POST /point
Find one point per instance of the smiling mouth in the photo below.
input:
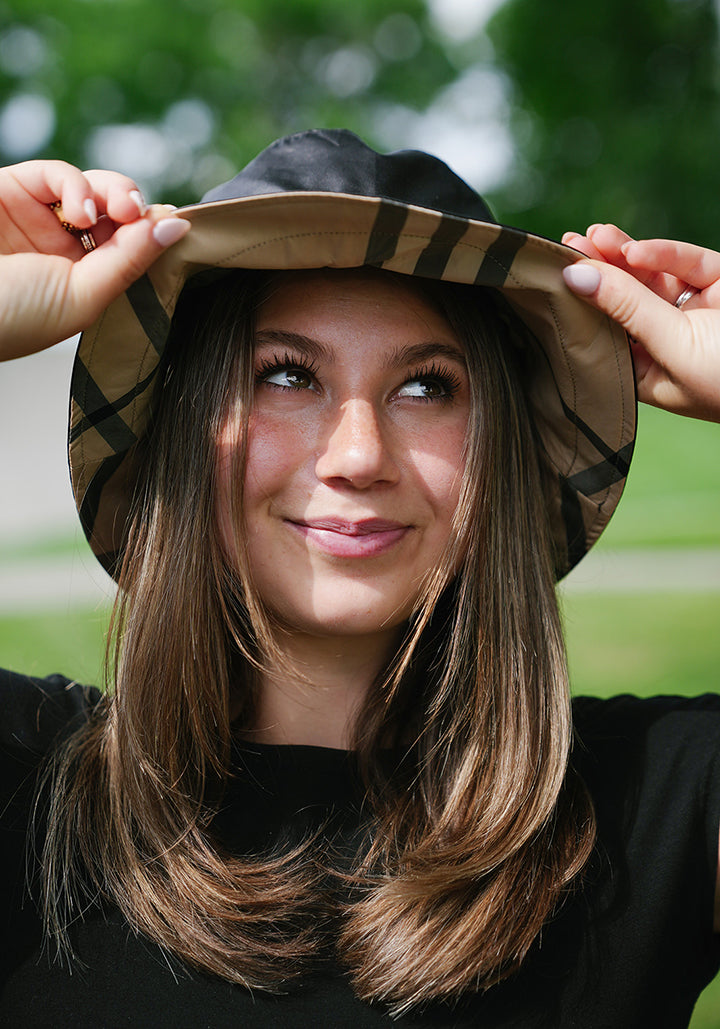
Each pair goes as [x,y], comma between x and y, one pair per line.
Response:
[340,538]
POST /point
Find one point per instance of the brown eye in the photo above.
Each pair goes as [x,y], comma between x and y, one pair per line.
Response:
[289,378]
[425,389]
[432,382]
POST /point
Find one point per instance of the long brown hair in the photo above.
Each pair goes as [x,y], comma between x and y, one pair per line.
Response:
[474,838]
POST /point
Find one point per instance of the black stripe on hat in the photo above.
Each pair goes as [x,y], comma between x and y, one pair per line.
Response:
[88,509]
[602,475]
[574,526]
[499,258]
[434,258]
[100,413]
[149,312]
[389,223]
[620,459]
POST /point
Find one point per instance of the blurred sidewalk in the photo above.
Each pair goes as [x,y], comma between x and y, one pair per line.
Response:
[690,570]
[53,583]
[34,481]
[37,502]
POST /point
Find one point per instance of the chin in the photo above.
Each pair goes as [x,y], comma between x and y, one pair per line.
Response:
[347,622]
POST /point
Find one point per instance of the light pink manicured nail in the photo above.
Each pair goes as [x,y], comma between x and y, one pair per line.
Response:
[582,279]
[170,230]
[139,200]
[90,210]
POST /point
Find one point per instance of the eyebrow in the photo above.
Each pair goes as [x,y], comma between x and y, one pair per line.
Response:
[307,346]
[415,353]
[397,357]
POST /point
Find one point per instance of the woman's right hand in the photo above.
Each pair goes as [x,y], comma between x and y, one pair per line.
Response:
[49,287]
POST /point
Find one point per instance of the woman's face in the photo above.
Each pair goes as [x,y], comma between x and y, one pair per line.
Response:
[355,451]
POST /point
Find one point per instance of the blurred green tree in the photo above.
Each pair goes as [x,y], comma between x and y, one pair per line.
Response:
[183,92]
[605,113]
[616,115]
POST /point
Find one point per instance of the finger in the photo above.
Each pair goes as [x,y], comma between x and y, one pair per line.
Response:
[695,265]
[106,226]
[27,224]
[117,196]
[613,244]
[84,195]
[645,316]
[57,181]
[609,240]
[583,244]
[106,272]
[47,180]
[28,190]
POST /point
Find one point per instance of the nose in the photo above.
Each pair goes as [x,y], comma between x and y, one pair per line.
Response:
[356,449]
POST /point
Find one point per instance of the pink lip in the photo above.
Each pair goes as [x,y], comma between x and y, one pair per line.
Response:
[340,538]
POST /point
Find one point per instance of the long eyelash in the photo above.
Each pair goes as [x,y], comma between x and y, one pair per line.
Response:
[275,362]
[443,374]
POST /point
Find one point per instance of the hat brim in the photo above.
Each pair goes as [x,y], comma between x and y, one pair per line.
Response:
[583,395]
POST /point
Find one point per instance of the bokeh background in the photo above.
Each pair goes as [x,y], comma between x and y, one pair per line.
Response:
[562,114]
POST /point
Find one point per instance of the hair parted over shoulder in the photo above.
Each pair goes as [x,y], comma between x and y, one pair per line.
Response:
[473,839]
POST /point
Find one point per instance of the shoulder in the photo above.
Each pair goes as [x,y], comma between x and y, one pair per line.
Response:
[658,722]
[680,735]
[36,711]
[35,716]
[653,769]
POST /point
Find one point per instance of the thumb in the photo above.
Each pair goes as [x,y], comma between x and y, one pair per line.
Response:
[678,360]
[102,275]
[646,317]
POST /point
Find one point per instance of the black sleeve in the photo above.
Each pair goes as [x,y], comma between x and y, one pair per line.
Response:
[653,769]
[36,713]
[669,747]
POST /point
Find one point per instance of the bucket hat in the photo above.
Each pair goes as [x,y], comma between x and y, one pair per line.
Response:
[323,198]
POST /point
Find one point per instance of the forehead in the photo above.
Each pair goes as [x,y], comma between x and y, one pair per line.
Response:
[359,298]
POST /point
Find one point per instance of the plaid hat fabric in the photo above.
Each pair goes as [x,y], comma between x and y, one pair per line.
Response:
[325,199]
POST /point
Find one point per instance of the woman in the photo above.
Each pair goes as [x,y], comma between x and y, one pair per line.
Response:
[333,780]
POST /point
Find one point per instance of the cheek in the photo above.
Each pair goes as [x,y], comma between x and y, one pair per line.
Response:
[262,466]
[275,451]
[275,456]
[440,469]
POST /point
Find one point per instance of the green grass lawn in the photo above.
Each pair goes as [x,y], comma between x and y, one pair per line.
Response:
[70,642]
[643,643]
[672,497]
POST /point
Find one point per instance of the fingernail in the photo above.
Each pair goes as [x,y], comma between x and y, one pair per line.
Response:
[139,200]
[583,279]
[170,230]
[591,228]
[90,210]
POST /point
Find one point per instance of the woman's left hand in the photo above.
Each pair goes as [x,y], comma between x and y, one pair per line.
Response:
[638,283]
